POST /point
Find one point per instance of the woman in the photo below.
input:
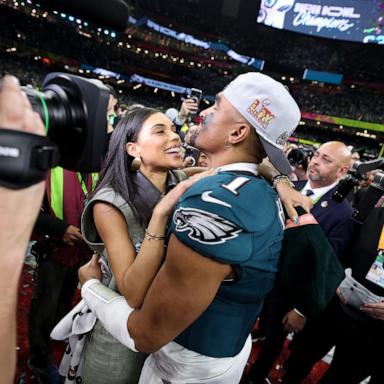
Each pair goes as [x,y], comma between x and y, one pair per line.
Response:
[125,224]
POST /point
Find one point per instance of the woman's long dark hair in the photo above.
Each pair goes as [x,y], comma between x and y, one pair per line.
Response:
[117,172]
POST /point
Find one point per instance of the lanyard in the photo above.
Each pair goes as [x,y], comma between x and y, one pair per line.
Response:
[57,189]
[95,178]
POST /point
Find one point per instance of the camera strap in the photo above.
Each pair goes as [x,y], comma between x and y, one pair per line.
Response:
[25,158]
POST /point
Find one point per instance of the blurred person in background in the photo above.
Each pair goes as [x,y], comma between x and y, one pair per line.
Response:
[181,117]
[60,250]
[299,158]
[112,108]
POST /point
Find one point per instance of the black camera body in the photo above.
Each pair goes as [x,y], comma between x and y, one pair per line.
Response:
[374,191]
[74,111]
[300,157]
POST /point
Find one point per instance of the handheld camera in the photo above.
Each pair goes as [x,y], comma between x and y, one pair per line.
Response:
[74,111]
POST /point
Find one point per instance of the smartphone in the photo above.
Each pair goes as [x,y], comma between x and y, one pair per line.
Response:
[192,154]
[196,94]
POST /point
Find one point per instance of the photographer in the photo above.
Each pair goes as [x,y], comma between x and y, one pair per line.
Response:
[18,212]
[189,107]
[74,113]
[299,158]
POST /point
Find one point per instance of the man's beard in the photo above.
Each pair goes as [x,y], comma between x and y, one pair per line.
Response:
[315,176]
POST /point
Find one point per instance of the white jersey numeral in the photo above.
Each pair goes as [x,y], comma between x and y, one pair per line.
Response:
[236,184]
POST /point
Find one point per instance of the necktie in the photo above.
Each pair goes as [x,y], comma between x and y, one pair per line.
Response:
[309,192]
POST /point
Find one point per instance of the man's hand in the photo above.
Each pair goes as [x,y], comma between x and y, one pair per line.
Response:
[375,310]
[15,109]
[18,208]
[293,322]
[188,107]
[18,212]
[91,270]
[72,235]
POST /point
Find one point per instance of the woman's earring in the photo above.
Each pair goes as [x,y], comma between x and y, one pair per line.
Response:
[136,163]
[227,144]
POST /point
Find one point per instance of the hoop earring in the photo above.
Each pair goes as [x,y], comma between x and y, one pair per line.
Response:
[227,144]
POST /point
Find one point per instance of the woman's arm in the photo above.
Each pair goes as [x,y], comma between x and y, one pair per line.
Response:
[288,195]
[134,273]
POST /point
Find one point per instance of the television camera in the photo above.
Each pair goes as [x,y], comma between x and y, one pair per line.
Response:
[74,111]
[374,191]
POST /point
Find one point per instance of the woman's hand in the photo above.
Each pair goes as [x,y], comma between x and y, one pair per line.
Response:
[167,203]
[91,270]
[291,199]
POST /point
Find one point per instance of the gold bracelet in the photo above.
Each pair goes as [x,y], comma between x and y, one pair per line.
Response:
[148,236]
[281,179]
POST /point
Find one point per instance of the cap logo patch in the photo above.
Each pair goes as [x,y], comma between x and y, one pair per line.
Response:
[260,112]
[283,138]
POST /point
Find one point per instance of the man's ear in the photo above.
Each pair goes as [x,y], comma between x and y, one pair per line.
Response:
[343,170]
[239,134]
[132,149]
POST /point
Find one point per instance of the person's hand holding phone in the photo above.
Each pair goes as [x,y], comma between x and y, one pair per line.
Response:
[188,107]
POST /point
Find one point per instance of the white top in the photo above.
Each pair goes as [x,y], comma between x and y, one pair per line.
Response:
[249,167]
[317,192]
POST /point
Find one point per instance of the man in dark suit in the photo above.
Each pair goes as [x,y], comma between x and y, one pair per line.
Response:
[328,165]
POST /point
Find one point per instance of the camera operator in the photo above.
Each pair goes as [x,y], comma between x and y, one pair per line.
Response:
[59,254]
[299,158]
[18,212]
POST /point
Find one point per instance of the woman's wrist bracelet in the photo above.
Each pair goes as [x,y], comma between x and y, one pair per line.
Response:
[281,179]
[149,236]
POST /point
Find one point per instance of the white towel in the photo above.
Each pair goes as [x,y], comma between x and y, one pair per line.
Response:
[73,327]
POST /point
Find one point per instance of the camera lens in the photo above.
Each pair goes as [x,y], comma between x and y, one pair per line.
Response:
[64,116]
[296,156]
[74,112]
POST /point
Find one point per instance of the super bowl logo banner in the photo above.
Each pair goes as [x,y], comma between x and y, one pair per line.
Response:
[337,19]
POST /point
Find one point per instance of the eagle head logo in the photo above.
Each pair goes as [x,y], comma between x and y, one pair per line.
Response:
[204,227]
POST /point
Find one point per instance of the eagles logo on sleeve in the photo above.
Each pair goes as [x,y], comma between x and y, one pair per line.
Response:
[204,227]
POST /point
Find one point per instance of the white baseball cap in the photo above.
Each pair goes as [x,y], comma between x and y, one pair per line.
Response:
[268,106]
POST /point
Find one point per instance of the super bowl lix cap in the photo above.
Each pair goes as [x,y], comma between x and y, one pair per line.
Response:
[268,106]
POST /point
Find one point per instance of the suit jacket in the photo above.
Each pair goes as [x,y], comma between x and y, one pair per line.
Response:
[335,219]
